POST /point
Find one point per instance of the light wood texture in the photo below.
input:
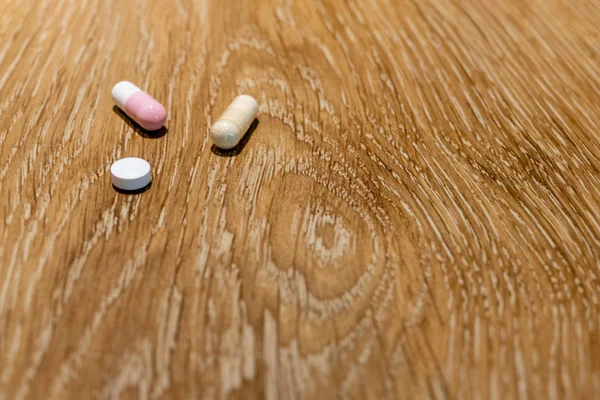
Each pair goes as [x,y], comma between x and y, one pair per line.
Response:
[416,214]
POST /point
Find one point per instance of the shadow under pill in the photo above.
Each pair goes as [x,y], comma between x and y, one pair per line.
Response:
[138,191]
[240,146]
[138,129]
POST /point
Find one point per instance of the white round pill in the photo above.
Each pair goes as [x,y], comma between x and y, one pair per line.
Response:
[130,173]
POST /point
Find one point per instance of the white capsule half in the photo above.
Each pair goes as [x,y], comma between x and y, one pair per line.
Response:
[233,124]
[122,91]
[130,173]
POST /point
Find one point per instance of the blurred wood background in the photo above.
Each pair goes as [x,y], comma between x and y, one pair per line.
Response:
[416,214]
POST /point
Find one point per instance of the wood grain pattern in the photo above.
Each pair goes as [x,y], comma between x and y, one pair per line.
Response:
[416,214]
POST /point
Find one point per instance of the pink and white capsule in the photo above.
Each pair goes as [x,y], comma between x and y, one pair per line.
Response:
[139,106]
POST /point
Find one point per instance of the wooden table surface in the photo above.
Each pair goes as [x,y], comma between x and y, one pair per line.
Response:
[416,214]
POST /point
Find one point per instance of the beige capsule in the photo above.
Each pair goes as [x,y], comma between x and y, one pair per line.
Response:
[233,124]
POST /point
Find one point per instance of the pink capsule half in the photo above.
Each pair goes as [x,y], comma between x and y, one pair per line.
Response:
[139,106]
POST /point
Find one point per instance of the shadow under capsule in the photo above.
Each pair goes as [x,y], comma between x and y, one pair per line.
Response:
[240,146]
[138,129]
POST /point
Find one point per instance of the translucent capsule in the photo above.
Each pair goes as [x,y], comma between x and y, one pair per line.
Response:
[139,106]
[231,126]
